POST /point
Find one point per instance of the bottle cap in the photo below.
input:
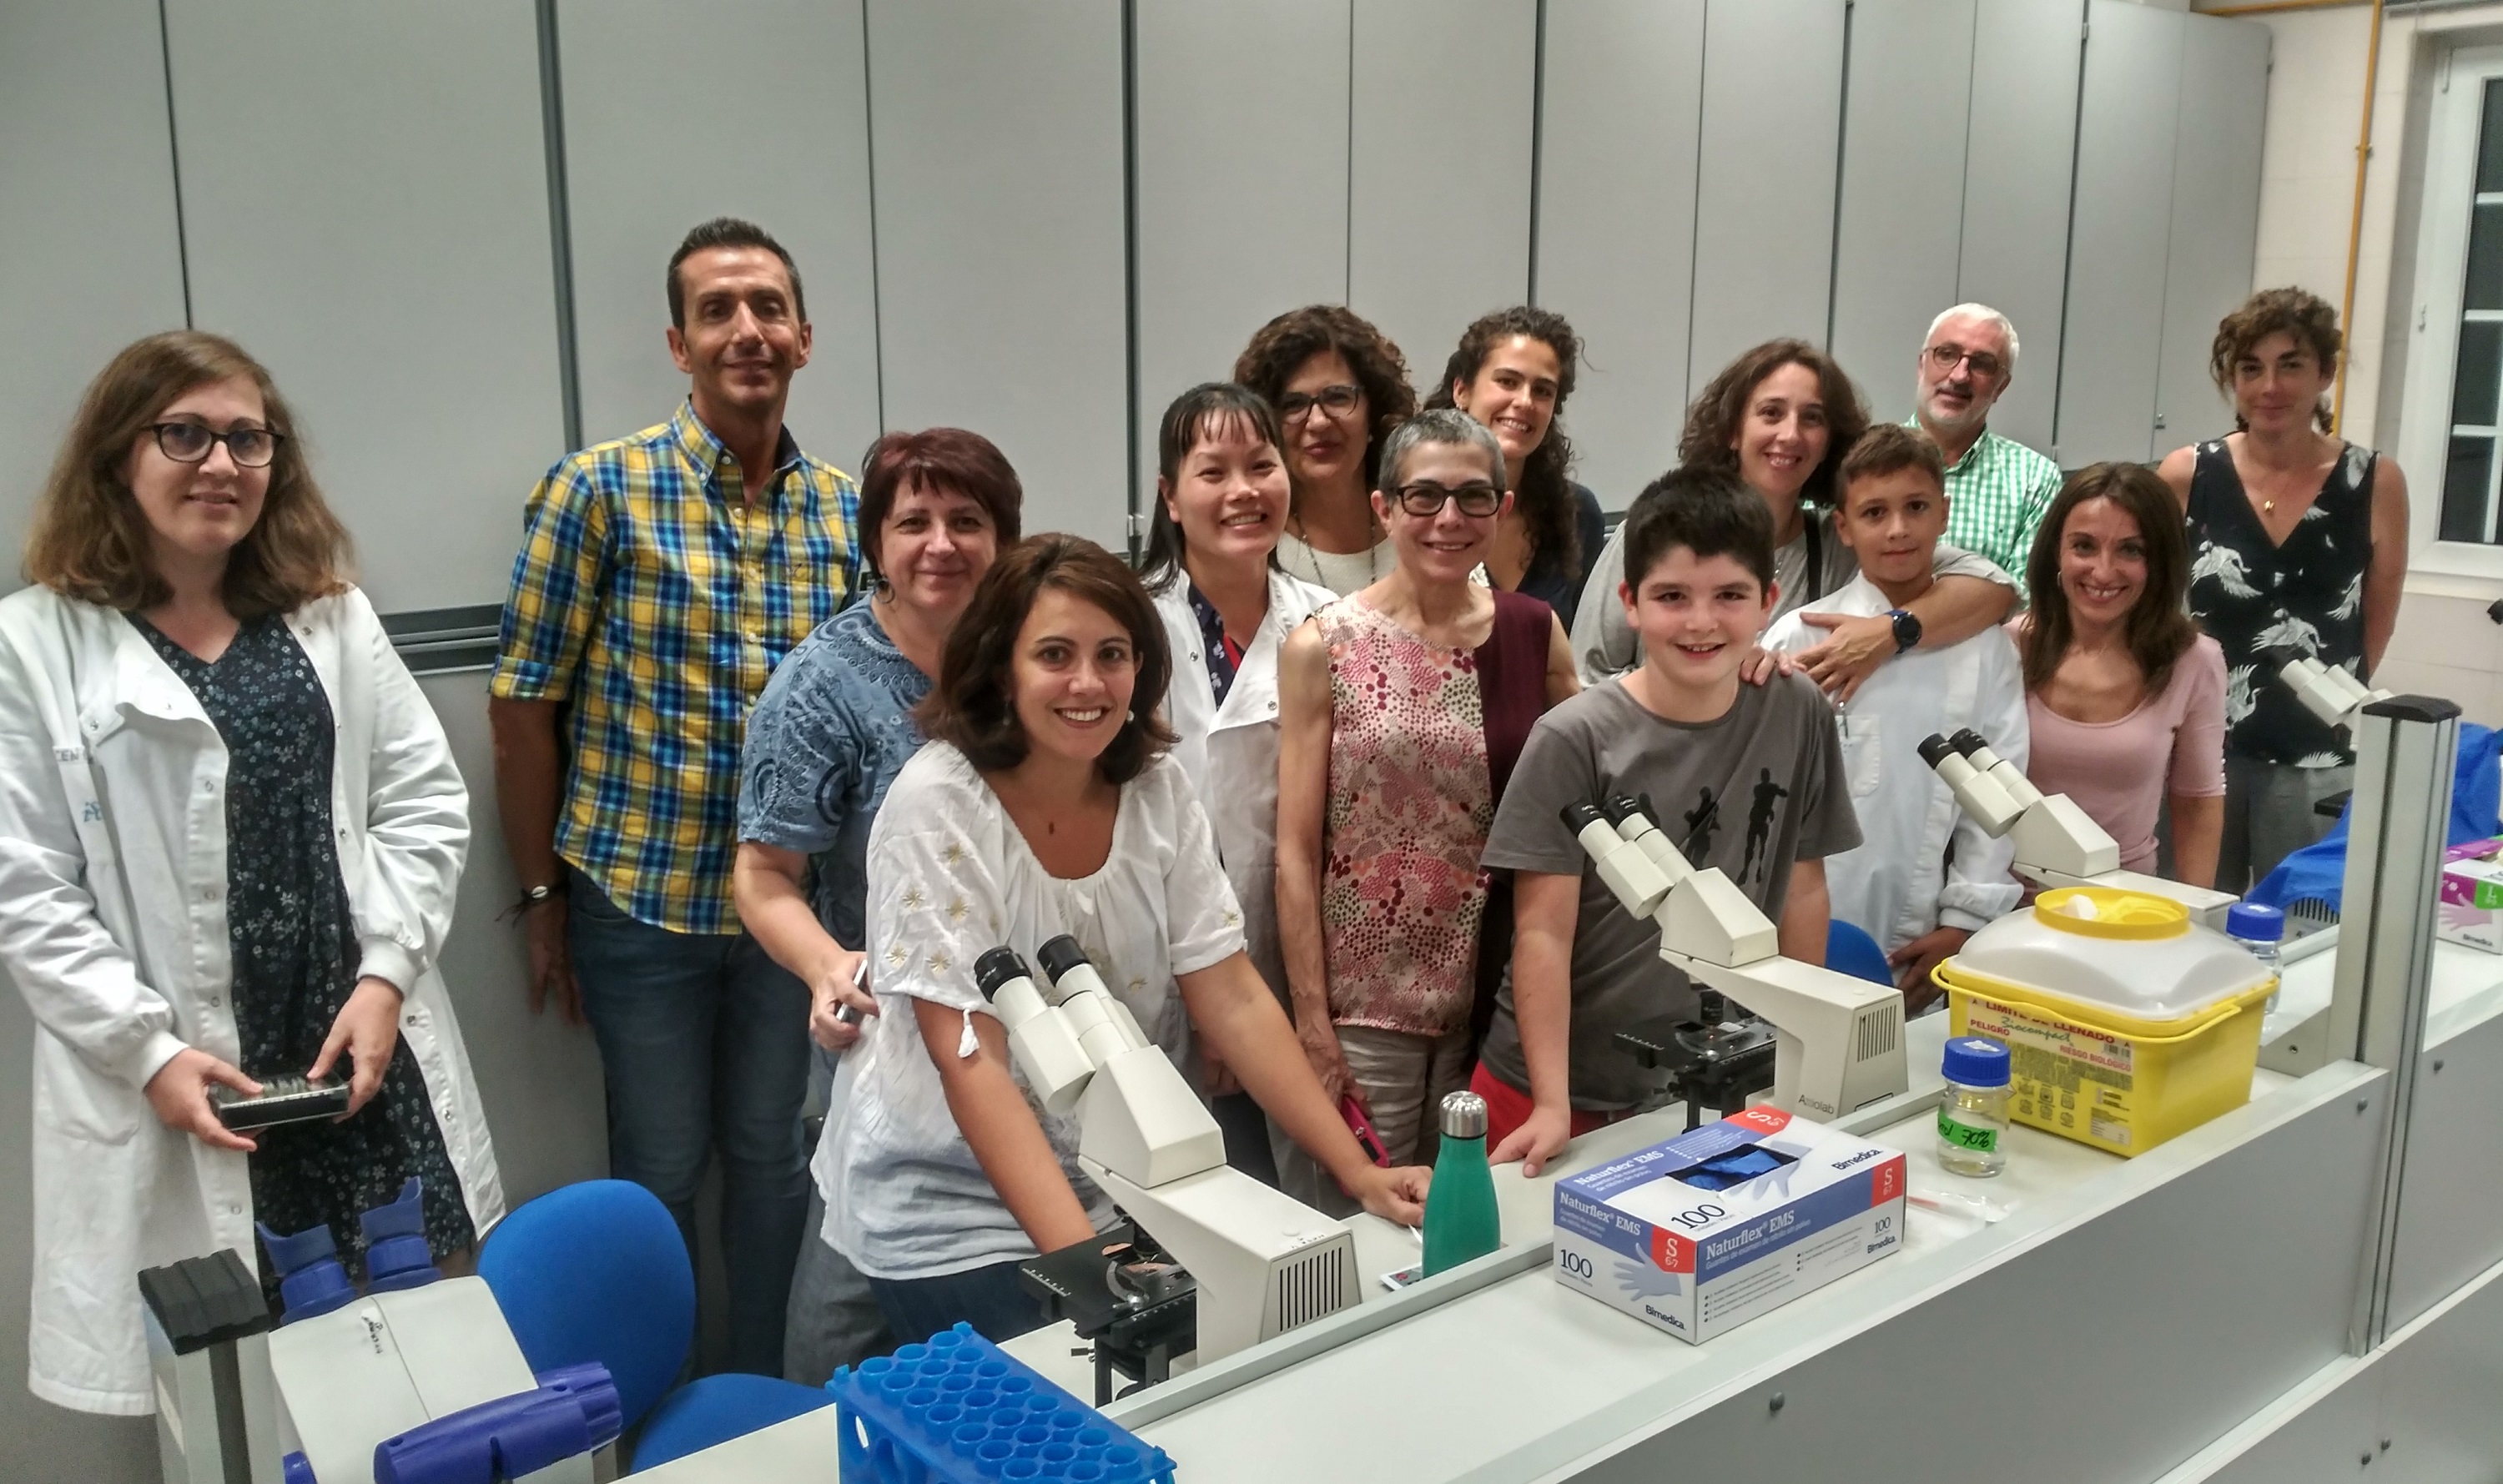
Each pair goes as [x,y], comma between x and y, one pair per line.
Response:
[1464,1116]
[1976,1061]
[2250,919]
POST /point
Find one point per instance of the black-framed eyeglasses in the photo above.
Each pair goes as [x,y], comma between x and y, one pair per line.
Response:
[1983,363]
[1338,401]
[251,448]
[1426,501]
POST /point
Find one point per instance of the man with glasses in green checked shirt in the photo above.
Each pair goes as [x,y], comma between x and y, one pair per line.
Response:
[1997,487]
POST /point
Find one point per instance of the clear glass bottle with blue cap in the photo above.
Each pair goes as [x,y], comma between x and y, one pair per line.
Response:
[1973,1122]
[2260,930]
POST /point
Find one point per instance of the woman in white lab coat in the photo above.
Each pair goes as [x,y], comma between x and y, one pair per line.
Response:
[1221,499]
[187,902]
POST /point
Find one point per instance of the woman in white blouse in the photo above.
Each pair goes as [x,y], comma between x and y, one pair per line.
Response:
[1043,804]
[1222,496]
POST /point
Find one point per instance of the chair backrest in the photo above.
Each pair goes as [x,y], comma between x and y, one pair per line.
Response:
[1849,950]
[596,1271]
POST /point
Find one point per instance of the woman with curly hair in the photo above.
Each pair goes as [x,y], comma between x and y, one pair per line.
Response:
[1781,417]
[1512,371]
[1340,387]
[2298,538]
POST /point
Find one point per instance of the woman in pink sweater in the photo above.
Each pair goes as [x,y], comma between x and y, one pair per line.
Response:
[2125,696]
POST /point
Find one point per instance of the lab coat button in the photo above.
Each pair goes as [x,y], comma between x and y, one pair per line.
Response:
[235,1210]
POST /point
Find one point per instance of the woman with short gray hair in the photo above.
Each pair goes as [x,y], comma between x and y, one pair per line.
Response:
[1403,707]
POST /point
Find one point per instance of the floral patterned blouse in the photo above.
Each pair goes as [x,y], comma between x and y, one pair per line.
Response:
[1411,800]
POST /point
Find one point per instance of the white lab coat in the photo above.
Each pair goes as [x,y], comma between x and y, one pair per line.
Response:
[112,868]
[1898,885]
[1229,752]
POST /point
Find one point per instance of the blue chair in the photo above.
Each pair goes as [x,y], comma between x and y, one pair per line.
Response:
[1848,950]
[596,1271]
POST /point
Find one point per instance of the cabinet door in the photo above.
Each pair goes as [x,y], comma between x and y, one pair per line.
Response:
[86,220]
[793,157]
[2019,151]
[996,151]
[1438,189]
[1615,223]
[2216,219]
[2119,233]
[365,208]
[1904,161]
[1240,147]
[1764,200]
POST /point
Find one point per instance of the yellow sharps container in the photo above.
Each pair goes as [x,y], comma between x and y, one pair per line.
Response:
[2125,1023]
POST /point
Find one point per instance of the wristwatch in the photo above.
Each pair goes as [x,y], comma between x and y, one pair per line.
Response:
[1908,628]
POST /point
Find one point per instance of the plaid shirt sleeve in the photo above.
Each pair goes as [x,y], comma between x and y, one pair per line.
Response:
[558,581]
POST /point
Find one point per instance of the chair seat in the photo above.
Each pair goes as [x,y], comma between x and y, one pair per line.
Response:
[714,1409]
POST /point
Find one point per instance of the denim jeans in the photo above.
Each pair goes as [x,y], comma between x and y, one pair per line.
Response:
[989,1298]
[705,1044]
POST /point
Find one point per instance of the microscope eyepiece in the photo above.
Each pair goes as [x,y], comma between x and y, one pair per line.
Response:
[1579,816]
[998,967]
[1622,807]
[1060,956]
[1936,750]
[1968,741]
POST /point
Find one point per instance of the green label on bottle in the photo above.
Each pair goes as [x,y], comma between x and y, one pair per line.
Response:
[1966,1135]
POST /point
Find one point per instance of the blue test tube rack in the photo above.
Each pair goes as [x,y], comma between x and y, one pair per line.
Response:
[957,1410]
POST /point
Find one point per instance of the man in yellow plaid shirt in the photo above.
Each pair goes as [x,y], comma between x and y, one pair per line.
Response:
[660,579]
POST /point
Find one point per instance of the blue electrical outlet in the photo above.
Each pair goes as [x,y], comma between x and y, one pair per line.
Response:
[958,1411]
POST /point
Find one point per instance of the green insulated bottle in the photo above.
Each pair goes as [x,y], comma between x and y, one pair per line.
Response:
[1460,1221]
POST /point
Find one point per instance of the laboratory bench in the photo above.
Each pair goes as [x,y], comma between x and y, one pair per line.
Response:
[2168,1317]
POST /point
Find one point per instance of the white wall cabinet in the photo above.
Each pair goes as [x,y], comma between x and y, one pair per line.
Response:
[1002,306]
[791,153]
[1615,223]
[365,207]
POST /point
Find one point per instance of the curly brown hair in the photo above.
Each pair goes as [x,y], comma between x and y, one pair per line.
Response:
[1712,421]
[1285,343]
[91,541]
[2307,316]
[1541,491]
[973,707]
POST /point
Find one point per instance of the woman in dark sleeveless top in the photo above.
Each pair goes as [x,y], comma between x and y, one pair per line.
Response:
[2298,542]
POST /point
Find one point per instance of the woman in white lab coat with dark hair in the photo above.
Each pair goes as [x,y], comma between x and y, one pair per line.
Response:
[1221,500]
[230,836]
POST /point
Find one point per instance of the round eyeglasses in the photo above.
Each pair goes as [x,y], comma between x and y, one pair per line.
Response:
[1984,364]
[251,448]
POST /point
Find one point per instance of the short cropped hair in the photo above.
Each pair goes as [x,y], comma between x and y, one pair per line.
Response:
[946,459]
[2007,327]
[973,707]
[1889,447]
[1706,510]
[91,541]
[1209,409]
[1445,427]
[2307,316]
[729,232]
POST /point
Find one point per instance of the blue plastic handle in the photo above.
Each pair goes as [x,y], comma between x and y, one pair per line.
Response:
[573,1411]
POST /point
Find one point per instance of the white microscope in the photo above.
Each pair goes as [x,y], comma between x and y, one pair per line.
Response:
[2326,690]
[1838,1041]
[2058,844]
[1263,1261]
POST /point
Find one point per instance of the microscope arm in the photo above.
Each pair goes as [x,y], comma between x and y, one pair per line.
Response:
[1838,1040]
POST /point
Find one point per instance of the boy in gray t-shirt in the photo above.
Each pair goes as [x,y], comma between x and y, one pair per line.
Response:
[1746,777]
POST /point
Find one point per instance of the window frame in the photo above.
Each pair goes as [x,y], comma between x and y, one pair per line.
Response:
[2458,568]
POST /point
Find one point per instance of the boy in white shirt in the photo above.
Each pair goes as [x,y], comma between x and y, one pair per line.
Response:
[1925,876]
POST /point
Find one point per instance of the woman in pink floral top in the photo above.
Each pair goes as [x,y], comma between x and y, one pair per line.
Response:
[1403,707]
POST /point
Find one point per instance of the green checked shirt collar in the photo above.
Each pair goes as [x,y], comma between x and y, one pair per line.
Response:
[1996,497]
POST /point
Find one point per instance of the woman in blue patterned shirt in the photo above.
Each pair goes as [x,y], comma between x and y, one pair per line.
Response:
[832,728]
